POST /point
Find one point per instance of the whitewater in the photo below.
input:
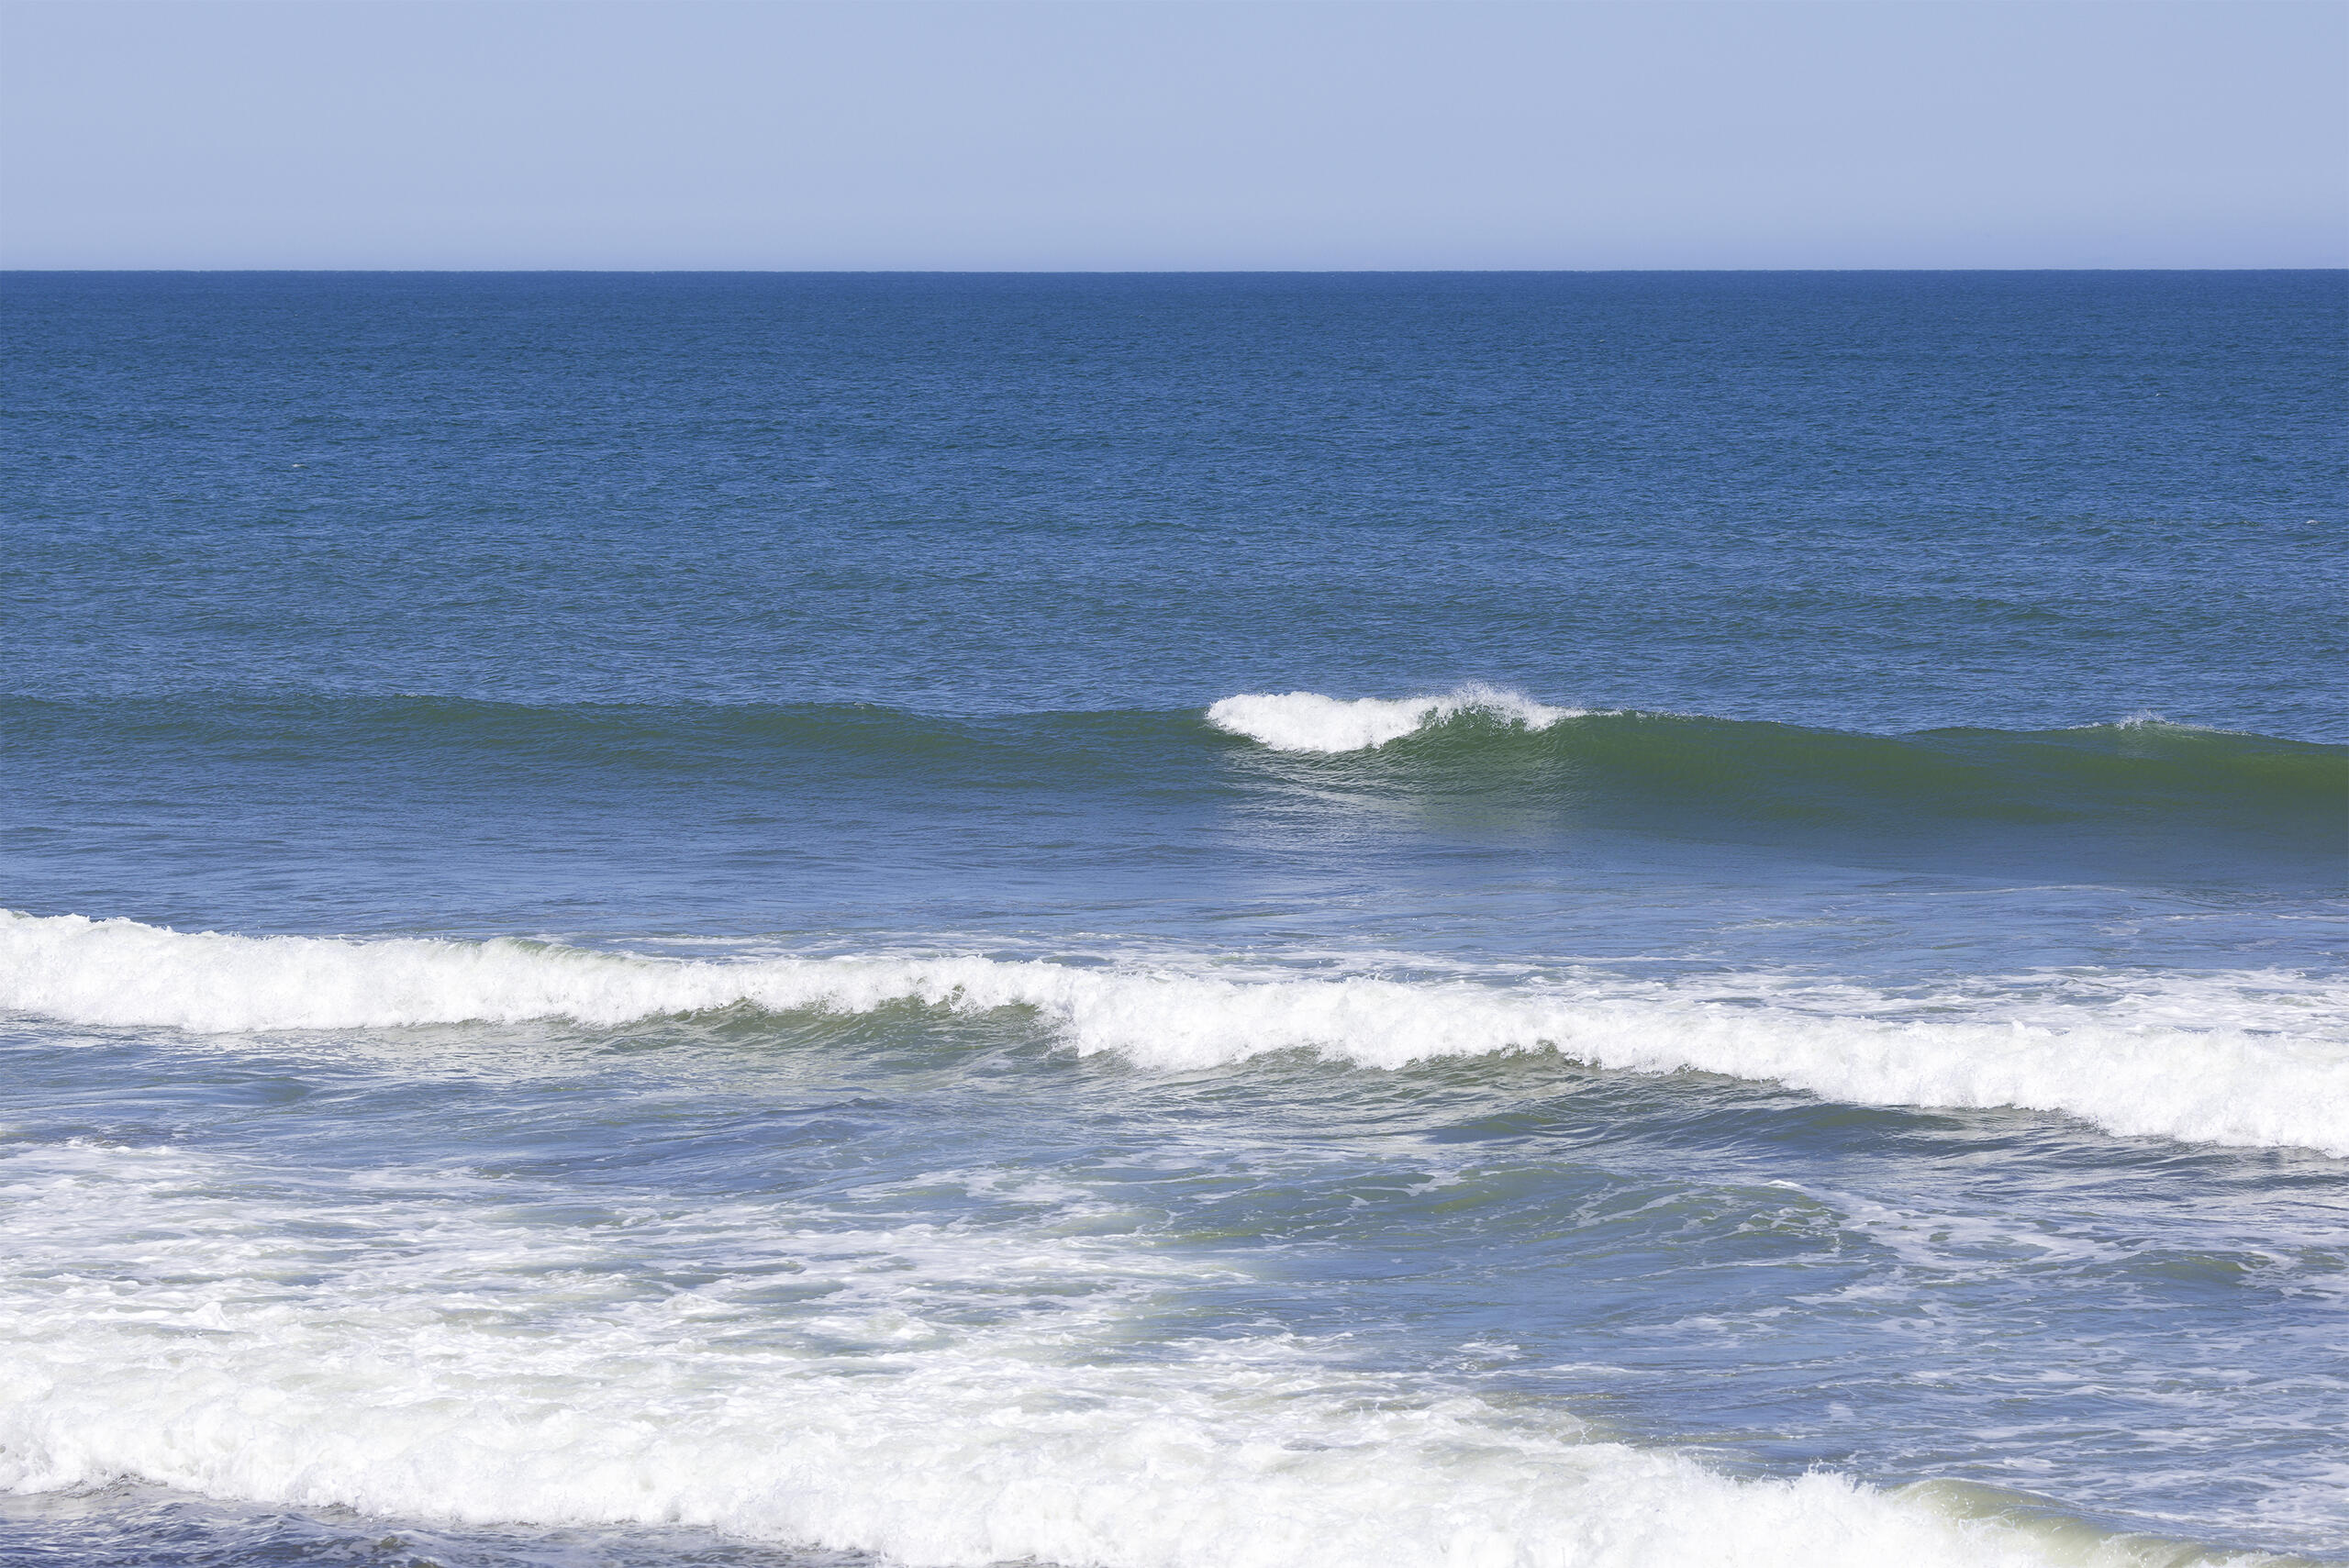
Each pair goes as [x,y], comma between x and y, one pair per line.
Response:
[1308,721]
[2280,1079]
[438,1362]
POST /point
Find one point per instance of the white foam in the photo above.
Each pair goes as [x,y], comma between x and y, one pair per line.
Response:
[1308,722]
[2252,1060]
[433,1351]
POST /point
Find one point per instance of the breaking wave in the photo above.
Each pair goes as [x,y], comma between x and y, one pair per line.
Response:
[2231,804]
[2250,1060]
[1308,722]
[2142,797]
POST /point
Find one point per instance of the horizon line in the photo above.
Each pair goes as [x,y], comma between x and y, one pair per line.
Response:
[1106,272]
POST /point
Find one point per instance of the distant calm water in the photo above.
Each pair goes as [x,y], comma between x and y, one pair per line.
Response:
[1173,922]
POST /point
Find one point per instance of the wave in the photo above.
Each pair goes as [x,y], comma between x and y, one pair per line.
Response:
[2141,789]
[887,1404]
[1308,722]
[2251,1073]
[2142,760]
[2140,797]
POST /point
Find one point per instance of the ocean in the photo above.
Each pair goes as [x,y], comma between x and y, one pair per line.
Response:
[1188,921]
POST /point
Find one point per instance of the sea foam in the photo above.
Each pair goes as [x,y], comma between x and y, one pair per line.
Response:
[322,1342]
[2219,1065]
[1308,722]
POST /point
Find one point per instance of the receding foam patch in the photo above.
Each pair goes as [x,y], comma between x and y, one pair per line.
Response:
[2253,1059]
[438,1359]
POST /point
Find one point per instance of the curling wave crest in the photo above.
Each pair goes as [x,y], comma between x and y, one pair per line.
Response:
[1308,722]
[2250,1060]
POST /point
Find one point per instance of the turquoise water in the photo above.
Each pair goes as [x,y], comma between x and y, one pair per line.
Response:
[1480,920]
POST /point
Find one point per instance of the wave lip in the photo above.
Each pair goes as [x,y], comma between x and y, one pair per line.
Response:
[1308,722]
[2277,1078]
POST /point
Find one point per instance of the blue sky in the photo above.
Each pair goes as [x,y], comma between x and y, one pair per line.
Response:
[1099,134]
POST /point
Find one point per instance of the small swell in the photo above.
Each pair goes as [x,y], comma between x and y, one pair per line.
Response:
[2235,804]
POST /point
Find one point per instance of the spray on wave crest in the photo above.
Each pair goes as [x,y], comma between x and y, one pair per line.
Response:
[1308,722]
[2273,1076]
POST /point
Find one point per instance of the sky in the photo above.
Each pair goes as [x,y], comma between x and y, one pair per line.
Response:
[1115,135]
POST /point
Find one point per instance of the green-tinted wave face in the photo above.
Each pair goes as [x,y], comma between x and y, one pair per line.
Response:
[1665,767]
[1138,793]
[2138,800]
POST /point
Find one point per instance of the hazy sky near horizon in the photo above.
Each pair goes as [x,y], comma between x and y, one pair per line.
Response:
[1092,134]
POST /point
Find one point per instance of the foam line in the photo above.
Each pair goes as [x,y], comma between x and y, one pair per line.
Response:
[2271,1076]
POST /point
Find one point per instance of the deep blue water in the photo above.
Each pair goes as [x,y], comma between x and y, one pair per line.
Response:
[1471,919]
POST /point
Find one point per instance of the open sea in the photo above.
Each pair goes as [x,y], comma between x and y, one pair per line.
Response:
[1192,921]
